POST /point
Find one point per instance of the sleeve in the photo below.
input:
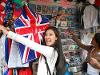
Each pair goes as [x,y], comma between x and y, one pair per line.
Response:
[52,61]
[45,50]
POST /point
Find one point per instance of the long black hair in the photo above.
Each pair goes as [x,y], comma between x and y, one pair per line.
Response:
[60,64]
[97,38]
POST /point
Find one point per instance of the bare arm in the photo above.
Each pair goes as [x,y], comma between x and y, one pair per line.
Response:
[78,41]
[95,63]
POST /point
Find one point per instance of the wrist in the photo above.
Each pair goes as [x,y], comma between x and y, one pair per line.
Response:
[98,64]
[5,31]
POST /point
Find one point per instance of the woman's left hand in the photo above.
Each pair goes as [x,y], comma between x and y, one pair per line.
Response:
[4,29]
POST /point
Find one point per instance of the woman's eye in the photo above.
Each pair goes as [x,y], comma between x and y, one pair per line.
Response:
[50,34]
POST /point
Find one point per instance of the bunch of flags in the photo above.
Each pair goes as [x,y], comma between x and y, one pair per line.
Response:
[7,71]
[30,25]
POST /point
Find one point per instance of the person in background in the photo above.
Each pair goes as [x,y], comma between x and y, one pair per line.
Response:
[93,58]
[52,61]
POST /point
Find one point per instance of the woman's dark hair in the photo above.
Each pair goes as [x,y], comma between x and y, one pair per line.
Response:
[60,64]
[97,38]
[1,34]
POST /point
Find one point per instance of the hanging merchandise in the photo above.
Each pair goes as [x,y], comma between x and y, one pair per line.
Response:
[17,7]
[65,3]
[9,12]
[10,45]
[44,2]
[24,71]
[2,10]
[24,25]
[5,71]
[19,3]
[97,3]
[2,55]
[90,17]
[16,11]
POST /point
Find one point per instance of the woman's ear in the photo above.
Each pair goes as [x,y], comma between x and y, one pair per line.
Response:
[56,38]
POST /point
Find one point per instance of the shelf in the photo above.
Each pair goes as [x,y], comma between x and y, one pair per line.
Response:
[75,69]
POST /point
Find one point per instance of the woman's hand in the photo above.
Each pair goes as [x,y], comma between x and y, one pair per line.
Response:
[95,63]
[4,29]
[70,32]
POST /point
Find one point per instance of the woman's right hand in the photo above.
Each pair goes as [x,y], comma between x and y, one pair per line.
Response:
[4,29]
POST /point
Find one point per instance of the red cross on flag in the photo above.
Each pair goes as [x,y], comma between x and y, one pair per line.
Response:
[30,25]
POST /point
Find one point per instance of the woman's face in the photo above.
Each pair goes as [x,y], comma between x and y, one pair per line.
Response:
[50,37]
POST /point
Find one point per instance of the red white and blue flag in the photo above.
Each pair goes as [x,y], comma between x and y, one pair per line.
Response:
[30,25]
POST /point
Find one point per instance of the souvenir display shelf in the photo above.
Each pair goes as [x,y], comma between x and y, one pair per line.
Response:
[71,50]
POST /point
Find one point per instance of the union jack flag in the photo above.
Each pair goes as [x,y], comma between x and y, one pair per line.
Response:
[30,25]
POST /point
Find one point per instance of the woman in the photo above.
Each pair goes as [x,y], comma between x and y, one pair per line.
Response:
[93,58]
[52,61]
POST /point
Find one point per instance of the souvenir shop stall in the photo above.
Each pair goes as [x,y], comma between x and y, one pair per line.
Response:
[81,16]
